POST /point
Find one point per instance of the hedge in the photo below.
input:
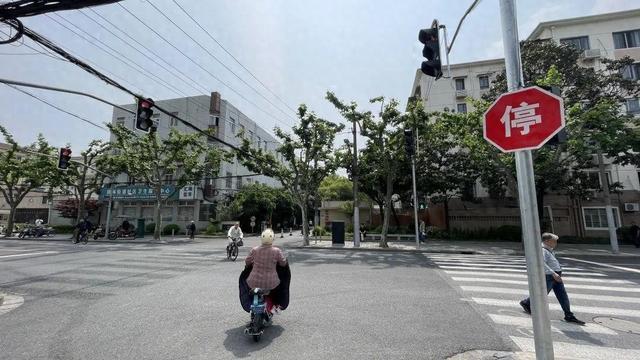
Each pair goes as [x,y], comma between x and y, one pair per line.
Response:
[171,228]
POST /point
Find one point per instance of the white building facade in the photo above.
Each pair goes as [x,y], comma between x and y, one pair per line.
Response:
[613,36]
[197,201]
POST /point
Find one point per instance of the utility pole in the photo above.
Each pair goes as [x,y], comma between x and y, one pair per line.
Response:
[613,237]
[356,205]
[527,195]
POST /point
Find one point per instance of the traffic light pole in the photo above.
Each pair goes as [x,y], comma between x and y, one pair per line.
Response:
[415,200]
[356,205]
[527,196]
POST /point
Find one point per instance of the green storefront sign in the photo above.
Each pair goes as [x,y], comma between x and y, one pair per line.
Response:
[137,192]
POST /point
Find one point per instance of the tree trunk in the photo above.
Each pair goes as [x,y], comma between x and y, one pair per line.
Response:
[11,220]
[387,212]
[446,214]
[305,224]
[81,207]
[156,213]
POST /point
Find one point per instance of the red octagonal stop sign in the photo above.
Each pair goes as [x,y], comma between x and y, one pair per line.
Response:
[524,119]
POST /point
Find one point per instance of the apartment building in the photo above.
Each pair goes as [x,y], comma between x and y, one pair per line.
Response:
[611,35]
[197,201]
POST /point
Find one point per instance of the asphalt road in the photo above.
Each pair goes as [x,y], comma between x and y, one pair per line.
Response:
[180,301]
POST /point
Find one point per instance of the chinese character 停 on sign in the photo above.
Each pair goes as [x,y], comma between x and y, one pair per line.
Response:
[523,117]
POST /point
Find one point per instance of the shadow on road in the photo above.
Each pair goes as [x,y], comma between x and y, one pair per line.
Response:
[377,260]
[242,345]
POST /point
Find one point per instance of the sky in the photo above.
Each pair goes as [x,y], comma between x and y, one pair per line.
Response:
[358,49]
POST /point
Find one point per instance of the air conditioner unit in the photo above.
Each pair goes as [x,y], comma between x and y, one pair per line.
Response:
[631,207]
[461,93]
[591,54]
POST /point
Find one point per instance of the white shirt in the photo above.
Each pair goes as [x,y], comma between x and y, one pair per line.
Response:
[551,264]
[39,222]
[235,233]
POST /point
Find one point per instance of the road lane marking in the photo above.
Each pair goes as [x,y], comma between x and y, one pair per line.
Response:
[556,325]
[29,254]
[580,351]
[605,265]
[494,265]
[568,286]
[572,273]
[603,311]
[524,276]
[525,292]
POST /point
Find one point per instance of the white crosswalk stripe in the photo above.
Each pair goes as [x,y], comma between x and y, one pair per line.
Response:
[496,284]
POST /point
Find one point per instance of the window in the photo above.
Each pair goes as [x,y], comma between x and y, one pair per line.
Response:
[633,106]
[229,180]
[626,39]
[462,108]
[120,121]
[594,180]
[460,84]
[242,130]
[579,42]
[484,81]
[238,182]
[259,142]
[632,72]
[250,135]
[595,218]
[45,199]
[233,125]
[132,180]
[155,116]
[168,178]
[173,121]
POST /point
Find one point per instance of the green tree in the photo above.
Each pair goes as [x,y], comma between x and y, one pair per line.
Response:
[443,170]
[150,158]
[308,158]
[23,169]
[381,162]
[589,94]
[336,188]
[82,179]
[263,202]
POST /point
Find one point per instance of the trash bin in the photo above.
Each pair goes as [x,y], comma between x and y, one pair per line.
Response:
[140,229]
[337,232]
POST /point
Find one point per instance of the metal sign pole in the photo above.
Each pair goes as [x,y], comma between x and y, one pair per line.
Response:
[527,196]
[415,200]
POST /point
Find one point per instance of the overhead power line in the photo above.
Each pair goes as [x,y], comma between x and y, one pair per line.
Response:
[57,107]
[259,108]
[218,60]
[233,57]
[22,8]
[50,45]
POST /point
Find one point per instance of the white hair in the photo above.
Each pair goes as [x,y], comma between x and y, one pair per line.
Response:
[267,237]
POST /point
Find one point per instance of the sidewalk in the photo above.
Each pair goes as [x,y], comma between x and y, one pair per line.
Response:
[128,240]
[475,247]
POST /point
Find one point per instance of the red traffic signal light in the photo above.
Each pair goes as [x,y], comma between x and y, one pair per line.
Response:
[64,158]
[143,115]
[431,51]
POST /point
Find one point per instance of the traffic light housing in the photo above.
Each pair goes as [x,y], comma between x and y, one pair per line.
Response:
[431,51]
[143,115]
[409,144]
[64,158]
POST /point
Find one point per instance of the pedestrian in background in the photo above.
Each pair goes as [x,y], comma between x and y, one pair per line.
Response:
[423,231]
[635,234]
[191,229]
[553,275]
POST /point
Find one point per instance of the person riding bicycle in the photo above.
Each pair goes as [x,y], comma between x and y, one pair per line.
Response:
[235,234]
[264,259]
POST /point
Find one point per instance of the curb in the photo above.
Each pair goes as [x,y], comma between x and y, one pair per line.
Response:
[426,251]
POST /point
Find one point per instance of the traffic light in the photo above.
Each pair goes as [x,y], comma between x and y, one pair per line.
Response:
[143,115]
[408,142]
[431,51]
[64,158]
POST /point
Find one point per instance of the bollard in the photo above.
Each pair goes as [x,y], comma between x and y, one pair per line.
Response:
[173,233]
[290,231]
[281,232]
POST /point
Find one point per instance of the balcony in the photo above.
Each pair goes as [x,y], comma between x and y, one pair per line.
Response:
[590,54]
[461,93]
